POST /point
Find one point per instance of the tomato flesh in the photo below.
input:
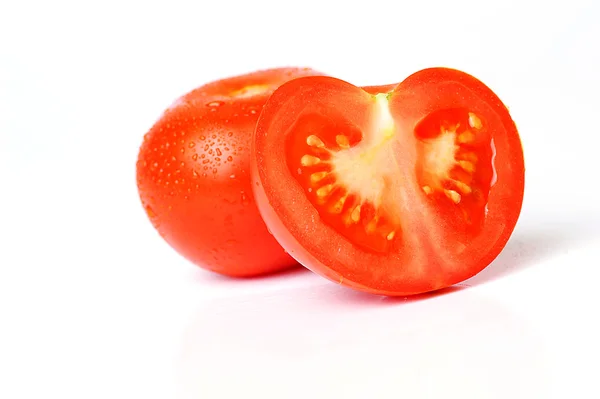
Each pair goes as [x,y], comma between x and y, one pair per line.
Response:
[401,190]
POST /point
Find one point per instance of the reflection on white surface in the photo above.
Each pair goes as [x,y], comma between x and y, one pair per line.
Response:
[331,342]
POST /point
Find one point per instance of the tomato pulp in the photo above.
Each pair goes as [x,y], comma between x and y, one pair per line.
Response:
[398,191]
[193,175]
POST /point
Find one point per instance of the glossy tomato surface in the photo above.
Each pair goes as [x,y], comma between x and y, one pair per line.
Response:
[400,192]
[193,175]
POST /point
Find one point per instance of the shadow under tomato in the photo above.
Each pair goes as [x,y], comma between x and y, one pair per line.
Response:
[325,338]
[534,242]
[215,278]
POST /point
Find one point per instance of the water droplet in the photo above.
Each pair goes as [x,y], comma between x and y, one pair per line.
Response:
[182,133]
[205,168]
[230,134]
[214,136]
[194,173]
[214,170]
[203,156]
[214,104]
[310,190]
[219,153]
[206,147]
[217,159]
[253,111]
[155,164]
[230,158]
[182,150]
[191,144]
[173,158]
[244,198]
[150,212]
[232,176]
[182,164]
[206,161]
[176,181]
[182,141]
[195,157]
[187,197]
[204,175]
[160,170]
[226,148]
[210,152]
[202,138]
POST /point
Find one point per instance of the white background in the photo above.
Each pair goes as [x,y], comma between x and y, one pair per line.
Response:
[93,304]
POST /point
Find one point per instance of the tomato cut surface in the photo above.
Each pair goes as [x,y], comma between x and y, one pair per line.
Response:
[193,175]
[394,190]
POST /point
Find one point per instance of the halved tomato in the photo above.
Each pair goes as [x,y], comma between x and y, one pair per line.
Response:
[397,191]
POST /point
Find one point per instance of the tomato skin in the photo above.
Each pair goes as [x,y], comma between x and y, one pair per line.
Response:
[298,227]
[193,176]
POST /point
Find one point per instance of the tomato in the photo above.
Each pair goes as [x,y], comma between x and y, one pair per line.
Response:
[400,192]
[193,175]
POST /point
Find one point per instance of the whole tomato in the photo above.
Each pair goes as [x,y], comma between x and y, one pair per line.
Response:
[193,175]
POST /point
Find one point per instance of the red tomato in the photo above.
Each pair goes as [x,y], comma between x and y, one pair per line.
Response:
[400,192]
[193,175]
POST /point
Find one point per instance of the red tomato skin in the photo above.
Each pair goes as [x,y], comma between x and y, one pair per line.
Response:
[193,177]
[507,196]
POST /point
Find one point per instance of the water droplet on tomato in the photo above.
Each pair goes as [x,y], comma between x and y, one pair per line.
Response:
[150,212]
[206,147]
[195,157]
[202,138]
[214,104]
[230,158]
[230,134]
[244,198]
[191,144]
[203,156]
[232,176]
[210,151]
[219,152]
[214,170]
